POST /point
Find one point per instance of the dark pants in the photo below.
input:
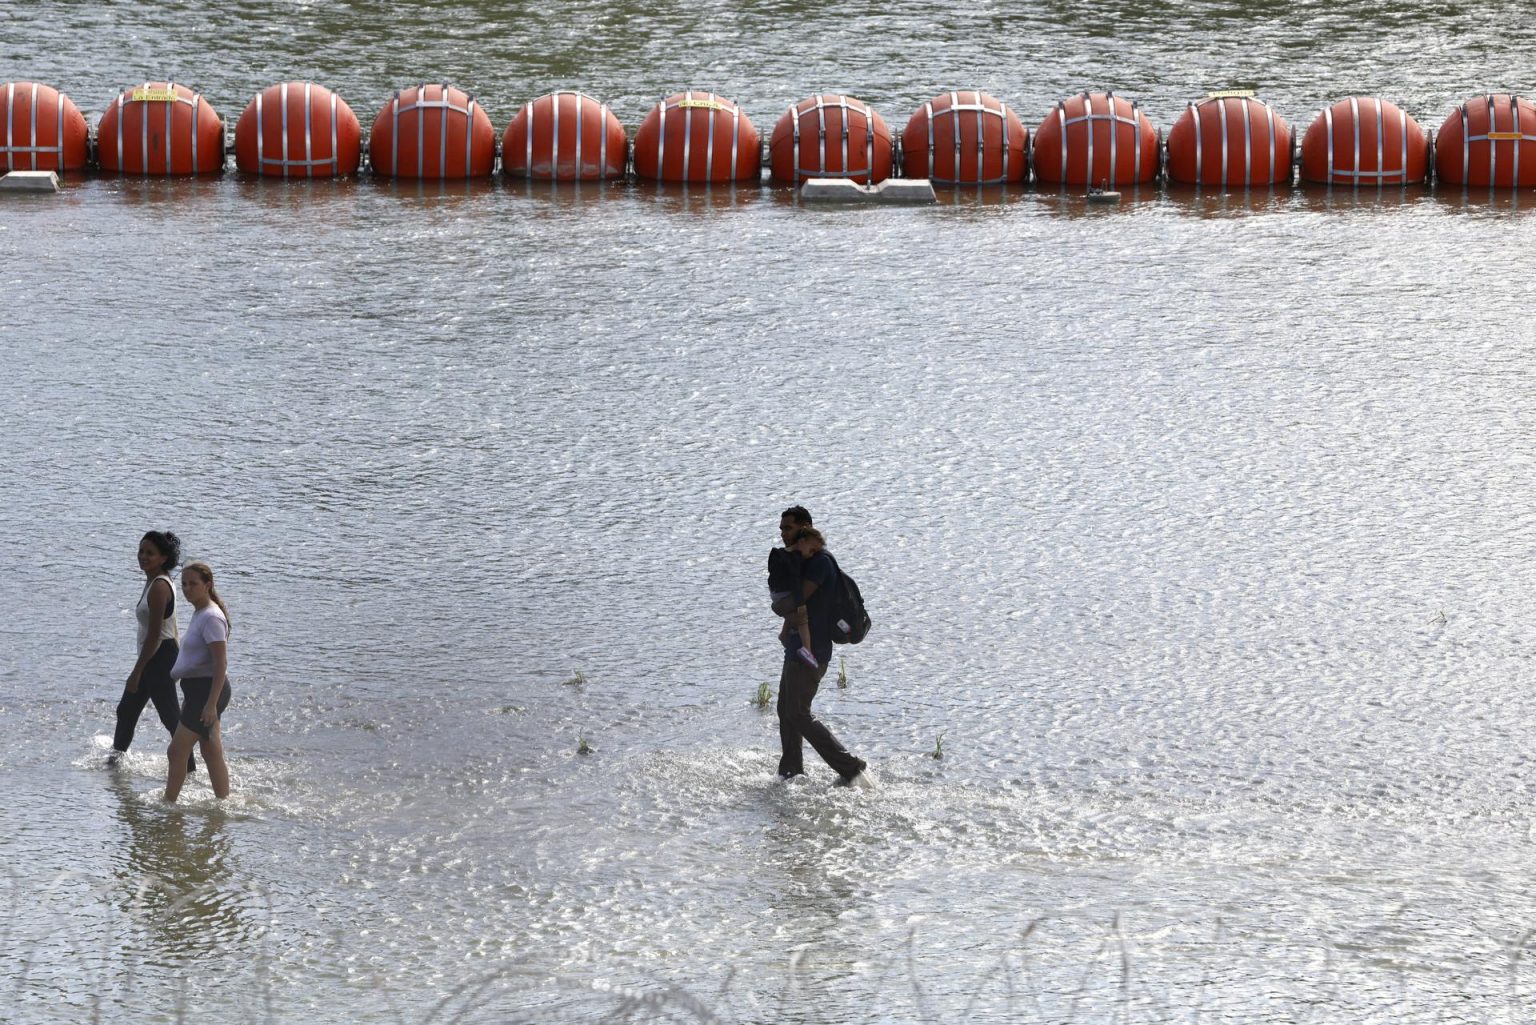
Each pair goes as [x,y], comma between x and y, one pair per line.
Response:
[798,684]
[155,684]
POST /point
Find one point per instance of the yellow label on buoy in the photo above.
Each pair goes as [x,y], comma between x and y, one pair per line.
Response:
[160,94]
[1505,136]
[1230,94]
[701,104]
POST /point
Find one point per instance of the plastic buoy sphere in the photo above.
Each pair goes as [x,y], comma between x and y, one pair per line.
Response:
[41,129]
[1364,141]
[698,137]
[1231,141]
[828,136]
[1096,139]
[564,137]
[1488,141]
[160,128]
[432,131]
[298,130]
[965,138]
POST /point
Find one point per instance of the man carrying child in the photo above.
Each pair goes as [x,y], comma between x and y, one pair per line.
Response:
[801,576]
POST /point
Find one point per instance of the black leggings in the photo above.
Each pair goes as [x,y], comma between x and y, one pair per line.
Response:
[155,684]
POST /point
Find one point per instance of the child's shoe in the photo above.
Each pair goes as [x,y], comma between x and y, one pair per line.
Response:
[808,657]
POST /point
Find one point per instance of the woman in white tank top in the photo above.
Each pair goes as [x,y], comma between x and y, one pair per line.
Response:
[159,552]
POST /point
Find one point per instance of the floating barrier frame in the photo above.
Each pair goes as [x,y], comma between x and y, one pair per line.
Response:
[820,107]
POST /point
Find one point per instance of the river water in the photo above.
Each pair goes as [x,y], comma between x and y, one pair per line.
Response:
[1196,532]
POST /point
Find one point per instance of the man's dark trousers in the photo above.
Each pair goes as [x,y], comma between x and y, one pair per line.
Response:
[798,684]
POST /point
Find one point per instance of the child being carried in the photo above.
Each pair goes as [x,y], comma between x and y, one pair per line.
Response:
[787,588]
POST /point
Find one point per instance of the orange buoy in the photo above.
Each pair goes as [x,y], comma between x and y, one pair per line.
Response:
[298,130]
[43,130]
[1364,140]
[1095,139]
[827,136]
[698,137]
[432,131]
[1229,139]
[965,138]
[566,137]
[160,128]
[1488,141]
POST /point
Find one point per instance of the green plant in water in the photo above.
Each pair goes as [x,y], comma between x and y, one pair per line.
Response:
[578,680]
[938,748]
[582,747]
[763,696]
[842,671]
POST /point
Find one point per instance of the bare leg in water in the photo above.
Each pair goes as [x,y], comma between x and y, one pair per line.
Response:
[212,747]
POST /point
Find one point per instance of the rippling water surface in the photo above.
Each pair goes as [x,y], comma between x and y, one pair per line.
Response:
[1196,531]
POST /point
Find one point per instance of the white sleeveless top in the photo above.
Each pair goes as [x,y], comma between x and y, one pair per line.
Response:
[167,625]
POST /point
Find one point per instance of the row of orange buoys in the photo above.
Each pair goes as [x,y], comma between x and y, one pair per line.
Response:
[300,129]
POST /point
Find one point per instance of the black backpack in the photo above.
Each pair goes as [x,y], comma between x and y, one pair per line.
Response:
[849,620]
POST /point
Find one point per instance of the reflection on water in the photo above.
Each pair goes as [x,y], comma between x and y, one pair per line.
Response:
[806,866]
[347,201]
[1208,201]
[1486,201]
[684,198]
[1330,198]
[1074,201]
[432,188]
[173,875]
[299,194]
[980,196]
[563,196]
[157,193]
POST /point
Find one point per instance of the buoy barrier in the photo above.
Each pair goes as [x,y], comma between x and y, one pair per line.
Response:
[1096,139]
[298,130]
[432,131]
[697,137]
[44,130]
[1490,140]
[1364,141]
[965,138]
[160,128]
[1229,139]
[564,137]
[831,136]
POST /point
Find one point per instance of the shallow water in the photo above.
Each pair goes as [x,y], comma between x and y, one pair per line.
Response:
[1194,530]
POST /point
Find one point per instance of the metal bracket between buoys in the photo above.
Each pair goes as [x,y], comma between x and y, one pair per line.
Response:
[846,190]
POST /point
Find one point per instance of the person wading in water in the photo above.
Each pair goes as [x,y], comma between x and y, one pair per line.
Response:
[798,681]
[150,680]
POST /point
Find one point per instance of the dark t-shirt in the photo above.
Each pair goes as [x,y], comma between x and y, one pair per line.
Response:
[819,570]
[784,570]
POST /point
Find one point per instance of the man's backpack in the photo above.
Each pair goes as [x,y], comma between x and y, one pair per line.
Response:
[849,620]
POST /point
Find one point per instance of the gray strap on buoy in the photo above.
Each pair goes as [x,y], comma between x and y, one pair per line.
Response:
[687,135]
[661,141]
[709,144]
